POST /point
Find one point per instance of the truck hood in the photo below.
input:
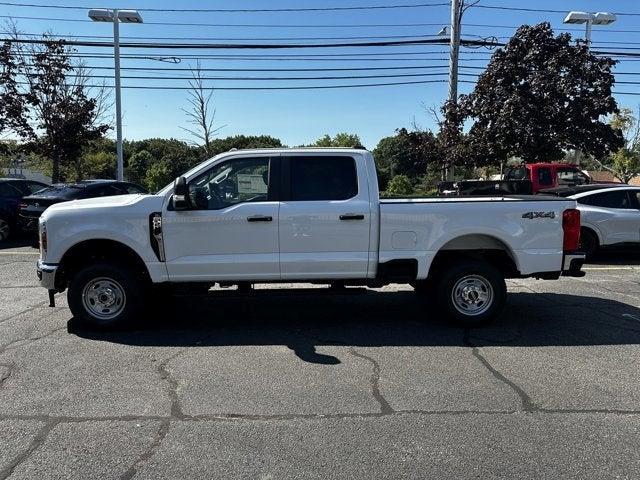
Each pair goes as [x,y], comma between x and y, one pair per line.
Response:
[146,204]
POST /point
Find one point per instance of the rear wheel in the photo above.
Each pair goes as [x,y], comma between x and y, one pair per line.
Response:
[106,295]
[471,293]
[5,229]
[588,243]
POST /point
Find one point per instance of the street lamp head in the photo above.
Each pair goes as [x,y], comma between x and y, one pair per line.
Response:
[604,18]
[129,16]
[101,15]
[105,15]
[579,17]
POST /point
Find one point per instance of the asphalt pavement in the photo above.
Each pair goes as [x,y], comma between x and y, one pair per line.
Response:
[307,383]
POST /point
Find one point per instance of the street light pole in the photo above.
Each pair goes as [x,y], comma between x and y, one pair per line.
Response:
[590,19]
[116,57]
[454,51]
[116,16]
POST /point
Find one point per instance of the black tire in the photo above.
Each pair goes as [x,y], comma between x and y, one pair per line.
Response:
[5,229]
[589,243]
[106,283]
[467,283]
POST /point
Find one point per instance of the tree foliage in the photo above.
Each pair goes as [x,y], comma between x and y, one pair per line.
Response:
[46,101]
[541,94]
[400,185]
[346,140]
[624,163]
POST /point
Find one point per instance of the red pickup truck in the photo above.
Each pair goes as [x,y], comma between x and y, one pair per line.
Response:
[547,175]
[523,179]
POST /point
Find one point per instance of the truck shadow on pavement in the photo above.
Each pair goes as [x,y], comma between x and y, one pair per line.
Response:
[306,319]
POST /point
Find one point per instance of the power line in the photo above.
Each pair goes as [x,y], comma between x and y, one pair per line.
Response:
[55,37]
[258,46]
[332,77]
[237,10]
[307,87]
[539,10]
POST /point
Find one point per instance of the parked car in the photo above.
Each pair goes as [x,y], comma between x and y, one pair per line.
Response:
[299,215]
[32,206]
[12,190]
[610,215]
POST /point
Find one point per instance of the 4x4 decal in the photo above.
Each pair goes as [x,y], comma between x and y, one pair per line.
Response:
[531,215]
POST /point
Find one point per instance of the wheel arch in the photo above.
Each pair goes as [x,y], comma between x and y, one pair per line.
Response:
[484,247]
[99,249]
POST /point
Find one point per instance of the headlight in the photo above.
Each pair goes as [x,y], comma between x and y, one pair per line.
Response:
[43,240]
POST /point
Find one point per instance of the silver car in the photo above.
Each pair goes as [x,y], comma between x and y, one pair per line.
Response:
[610,215]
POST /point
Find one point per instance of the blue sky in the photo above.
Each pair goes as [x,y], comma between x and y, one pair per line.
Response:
[299,117]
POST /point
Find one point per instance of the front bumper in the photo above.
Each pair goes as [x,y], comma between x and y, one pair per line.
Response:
[47,275]
[572,264]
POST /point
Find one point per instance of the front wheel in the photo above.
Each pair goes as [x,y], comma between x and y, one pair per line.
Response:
[5,229]
[471,293]
[106,295]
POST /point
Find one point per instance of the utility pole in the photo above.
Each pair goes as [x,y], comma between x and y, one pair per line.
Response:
[116,57]
[454,50]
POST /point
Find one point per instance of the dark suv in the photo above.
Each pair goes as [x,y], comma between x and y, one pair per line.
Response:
[31,207]
[11,192]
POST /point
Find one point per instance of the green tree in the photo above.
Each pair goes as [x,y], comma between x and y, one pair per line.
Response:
[539,96]
[158,176]
[138,165]
[624,163]
[220,145]
[346,140]
[400,185]
[60,116]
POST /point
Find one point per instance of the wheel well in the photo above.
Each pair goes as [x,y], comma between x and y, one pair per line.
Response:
[84,252]
[591,231]
[477,247]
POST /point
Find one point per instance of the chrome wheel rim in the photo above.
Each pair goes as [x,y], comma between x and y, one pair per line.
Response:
[103,298]
[4,229]
[472,295]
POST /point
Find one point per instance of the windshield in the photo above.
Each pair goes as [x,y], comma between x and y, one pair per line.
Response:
[60,191]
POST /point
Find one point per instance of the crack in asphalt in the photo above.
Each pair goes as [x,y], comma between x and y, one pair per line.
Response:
[6,371]
[35,443]
[23,342]
[385,408]
[37,305]
[148,453]
[528,405]
[165,374]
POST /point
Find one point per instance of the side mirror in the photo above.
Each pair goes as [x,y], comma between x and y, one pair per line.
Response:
[180,194]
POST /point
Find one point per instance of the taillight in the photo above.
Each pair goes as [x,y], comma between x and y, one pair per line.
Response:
[22,205]
[571,228]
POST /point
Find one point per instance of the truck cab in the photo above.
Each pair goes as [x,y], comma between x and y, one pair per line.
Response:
[548,175]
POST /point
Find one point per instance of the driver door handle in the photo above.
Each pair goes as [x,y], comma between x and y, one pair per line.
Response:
[352,216]
[259,218]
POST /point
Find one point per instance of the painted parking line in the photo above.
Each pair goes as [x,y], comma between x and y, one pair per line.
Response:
[18,253]
[609,268]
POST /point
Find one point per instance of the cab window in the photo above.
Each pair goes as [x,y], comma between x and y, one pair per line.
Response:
[544,176]
[323,178]
[229,183]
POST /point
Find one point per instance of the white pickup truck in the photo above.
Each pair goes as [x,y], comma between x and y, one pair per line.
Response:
[300,215]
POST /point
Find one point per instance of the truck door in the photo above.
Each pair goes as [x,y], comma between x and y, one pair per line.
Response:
[230,232]
[324,217]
